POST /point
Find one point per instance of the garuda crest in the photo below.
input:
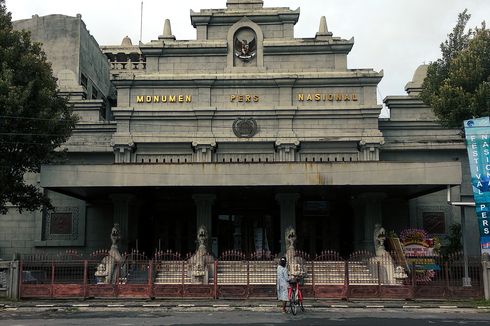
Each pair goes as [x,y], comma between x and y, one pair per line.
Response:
[245,50]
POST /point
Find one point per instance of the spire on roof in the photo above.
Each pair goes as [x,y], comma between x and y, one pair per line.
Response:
[167,31]
[126,41]
[323,33]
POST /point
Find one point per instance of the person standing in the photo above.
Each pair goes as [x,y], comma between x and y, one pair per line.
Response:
[282,283]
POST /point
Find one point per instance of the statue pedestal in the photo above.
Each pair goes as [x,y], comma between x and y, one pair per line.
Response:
[200,277]
[386,270]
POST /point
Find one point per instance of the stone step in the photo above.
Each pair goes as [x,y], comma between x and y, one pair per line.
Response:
[235,272]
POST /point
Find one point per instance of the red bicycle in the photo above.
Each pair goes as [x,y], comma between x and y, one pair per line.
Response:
[294,295]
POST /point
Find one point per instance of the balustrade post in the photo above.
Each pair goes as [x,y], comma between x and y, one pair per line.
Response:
[378,266]
[52,278]
[85,278]
[446,276]
[150,279]
[183,277]
[215,279]
[115,280]
[313,278]
[248,278]
[346,280]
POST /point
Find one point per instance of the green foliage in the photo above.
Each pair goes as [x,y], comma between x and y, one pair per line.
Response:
[392,234]
[34,118]
[453,241]
[457,86]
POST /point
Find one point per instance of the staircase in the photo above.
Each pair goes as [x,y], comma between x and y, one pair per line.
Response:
[333,272]
[264,272]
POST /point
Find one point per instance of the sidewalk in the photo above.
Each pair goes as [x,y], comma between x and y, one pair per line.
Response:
[266,304]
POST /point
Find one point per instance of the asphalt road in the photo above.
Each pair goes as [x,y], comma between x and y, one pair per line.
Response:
[344,317]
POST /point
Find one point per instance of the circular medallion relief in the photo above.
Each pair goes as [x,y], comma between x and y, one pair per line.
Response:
[244,127]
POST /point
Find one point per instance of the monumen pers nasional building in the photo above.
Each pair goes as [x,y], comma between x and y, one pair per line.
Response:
[246,130]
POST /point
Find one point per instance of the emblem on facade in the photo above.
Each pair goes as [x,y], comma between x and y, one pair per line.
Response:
[244,127]
[245,50]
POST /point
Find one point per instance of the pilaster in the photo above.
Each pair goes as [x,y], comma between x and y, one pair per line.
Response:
[121,211]
[204,210]
[203,152]
[287,203]
[371,210]
[286,152]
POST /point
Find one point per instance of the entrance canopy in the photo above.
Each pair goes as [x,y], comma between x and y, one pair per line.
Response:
[414,178]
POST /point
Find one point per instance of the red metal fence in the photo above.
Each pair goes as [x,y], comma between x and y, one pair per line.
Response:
[236,275]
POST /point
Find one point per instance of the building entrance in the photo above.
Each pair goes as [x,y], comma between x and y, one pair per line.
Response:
[325,225]
[247,221]
[246,231]
[167,224]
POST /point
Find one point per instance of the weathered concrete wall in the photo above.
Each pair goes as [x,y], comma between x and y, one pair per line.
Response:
[60,38]
[411,134]
[25,234]
[94,64]
[270,31]
[17,233]
[215,174]
[71,50]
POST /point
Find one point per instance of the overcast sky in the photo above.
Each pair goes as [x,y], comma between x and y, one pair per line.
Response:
[391,35]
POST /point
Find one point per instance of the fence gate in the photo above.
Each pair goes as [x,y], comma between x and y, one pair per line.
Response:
[235,275]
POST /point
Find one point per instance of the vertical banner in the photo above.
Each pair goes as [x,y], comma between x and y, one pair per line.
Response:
[478,145]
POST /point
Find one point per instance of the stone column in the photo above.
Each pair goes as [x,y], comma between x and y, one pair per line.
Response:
[121,212]
[358,225]
[287,203]
[372,214]
[204,209]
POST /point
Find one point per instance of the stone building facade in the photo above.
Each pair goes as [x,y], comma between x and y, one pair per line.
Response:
[246,130]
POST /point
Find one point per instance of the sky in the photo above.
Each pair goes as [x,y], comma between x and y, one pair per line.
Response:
[395,36]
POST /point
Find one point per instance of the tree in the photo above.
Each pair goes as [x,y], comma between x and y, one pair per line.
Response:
[34,118]
[453,242]
[457,86]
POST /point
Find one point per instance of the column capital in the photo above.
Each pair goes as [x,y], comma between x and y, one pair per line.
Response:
[287,197]
[370,196]
[204,198]
[116,198]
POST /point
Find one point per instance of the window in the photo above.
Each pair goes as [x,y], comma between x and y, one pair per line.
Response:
[434,222]
[84,81]
[95,94]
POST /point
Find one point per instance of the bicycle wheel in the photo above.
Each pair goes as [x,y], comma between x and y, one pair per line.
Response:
[300,300]
[293,307]
[292,303]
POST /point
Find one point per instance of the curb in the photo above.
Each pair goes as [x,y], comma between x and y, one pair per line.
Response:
[239,306]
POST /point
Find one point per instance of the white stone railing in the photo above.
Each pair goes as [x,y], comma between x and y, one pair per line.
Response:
[128,65]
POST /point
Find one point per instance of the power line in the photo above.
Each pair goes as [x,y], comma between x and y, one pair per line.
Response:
[30,118]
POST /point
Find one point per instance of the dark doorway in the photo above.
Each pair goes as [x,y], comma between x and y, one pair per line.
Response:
[167,224]
[248,232]
[247,221]
[325,225]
